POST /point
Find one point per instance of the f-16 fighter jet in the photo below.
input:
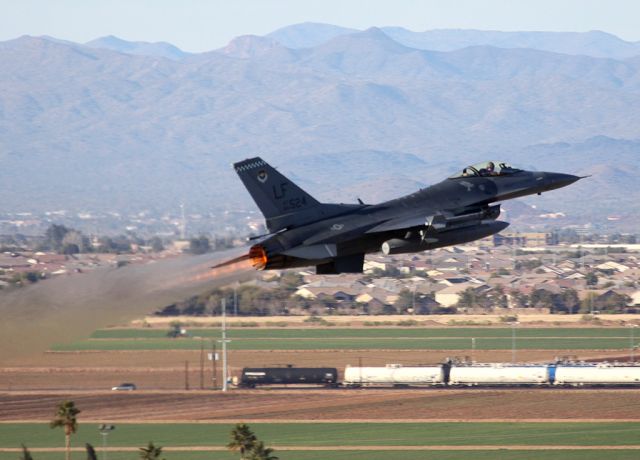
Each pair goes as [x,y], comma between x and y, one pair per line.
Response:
[335,237]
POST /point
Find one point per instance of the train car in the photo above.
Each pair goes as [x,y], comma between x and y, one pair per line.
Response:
[393,375]
[596,374]
[252,376]
[498,374]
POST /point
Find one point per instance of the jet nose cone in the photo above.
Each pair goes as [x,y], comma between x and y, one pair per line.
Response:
[559,180]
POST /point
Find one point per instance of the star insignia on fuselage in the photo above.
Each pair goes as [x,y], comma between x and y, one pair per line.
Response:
[467,185]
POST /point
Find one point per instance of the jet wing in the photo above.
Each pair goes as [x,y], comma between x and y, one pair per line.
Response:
[340,231]
[438,220]
[315,251]
[409,222]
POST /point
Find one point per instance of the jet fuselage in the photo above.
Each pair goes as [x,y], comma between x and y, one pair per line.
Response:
[335,237]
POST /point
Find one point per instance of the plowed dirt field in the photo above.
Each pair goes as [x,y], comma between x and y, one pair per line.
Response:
[334,405]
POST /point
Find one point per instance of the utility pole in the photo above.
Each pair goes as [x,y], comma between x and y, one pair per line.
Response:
[201,364]
[473,349]
[413,303]
[582,231]
[214,367]
[582,249]
[631,344]
[514,246]
[513,342]
[104,431]
[186,375]
[224,344]
[235,299]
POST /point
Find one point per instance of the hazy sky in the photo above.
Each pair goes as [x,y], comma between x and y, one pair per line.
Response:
[200,25]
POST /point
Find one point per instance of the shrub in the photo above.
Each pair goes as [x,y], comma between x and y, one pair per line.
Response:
[246,324]
[509,318]
[589,318]
[453,322]
[318,320]
[407,322]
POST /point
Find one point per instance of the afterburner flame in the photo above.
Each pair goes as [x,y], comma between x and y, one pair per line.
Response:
[258,257]
[206,272]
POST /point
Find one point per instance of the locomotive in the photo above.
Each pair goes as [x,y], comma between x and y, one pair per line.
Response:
[251,377]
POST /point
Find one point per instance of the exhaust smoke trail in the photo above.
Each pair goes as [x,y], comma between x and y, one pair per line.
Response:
[69,308]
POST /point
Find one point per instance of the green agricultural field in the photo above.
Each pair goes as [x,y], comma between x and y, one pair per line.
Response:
[357,343]
[376,455]
[335,333]
[339,434]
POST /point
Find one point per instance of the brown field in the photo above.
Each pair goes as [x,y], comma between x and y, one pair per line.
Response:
[332,405]
[30,388]
[165,370]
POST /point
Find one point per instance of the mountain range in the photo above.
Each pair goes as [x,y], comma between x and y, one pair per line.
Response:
[158,49]
[594,43]
[116,125]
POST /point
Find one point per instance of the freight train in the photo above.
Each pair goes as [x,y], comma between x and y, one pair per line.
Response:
[463,374]
[450,374]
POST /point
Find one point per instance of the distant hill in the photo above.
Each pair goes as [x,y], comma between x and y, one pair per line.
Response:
[613,165]
[158,49]
[308,34]
[249,46]
[593,43]
[359,115]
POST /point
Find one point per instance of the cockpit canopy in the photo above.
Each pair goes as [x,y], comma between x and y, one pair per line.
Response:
[488,168]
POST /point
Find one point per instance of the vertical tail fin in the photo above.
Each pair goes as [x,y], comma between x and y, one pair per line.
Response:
[282,202]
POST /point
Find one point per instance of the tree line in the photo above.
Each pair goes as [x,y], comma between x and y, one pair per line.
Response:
[63,240]
[567,301]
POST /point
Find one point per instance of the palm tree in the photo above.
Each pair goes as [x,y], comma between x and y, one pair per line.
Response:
[150,452]
[91,452]
[242,439]
[26,455]
[260,452]
[65,418]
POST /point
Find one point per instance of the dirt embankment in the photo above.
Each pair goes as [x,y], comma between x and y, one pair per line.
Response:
[531,320]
